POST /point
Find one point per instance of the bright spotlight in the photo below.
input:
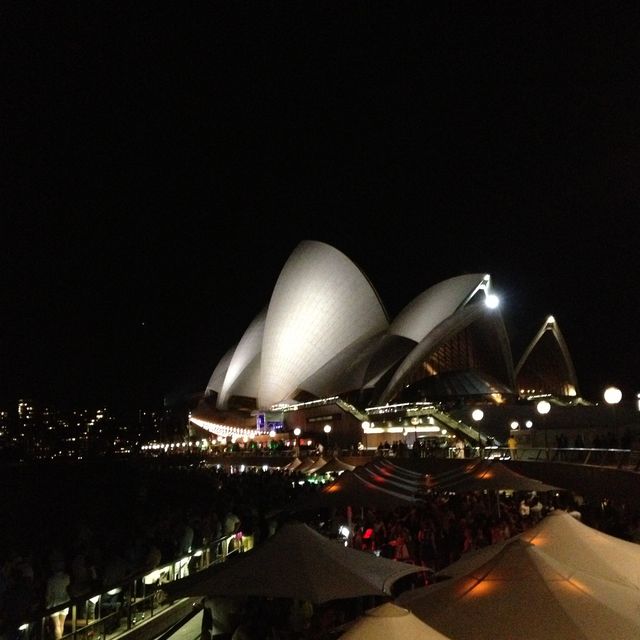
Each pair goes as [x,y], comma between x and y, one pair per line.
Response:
[492,301]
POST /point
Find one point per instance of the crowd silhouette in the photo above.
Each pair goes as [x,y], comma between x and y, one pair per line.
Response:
[169,511]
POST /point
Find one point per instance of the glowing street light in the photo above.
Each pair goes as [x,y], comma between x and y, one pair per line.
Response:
[613,395]
[366,425]
[327,430]
[477,415]
[296,443]
[543,407]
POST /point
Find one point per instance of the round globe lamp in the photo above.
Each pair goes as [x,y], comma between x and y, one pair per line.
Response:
[612,396]
[543,407]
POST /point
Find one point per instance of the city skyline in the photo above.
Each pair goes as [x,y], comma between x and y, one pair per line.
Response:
[161,168]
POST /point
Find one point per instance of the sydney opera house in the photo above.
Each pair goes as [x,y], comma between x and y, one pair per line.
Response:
[323,354]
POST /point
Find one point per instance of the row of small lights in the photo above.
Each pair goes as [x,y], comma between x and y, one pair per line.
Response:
[174,445]
[612,395]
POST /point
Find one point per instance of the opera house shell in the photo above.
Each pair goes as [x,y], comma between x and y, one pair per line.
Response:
[325,334]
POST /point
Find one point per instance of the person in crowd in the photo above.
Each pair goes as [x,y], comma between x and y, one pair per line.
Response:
[230,522]
[114,574]
[84,578]
[19,601]
[57,594]
[185,537]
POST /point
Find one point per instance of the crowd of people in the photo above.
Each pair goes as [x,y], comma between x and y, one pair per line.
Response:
[166,513]
[170,511]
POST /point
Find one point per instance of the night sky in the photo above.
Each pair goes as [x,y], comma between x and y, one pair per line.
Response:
[161,163]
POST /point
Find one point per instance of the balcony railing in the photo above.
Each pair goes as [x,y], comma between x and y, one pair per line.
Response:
[111,613]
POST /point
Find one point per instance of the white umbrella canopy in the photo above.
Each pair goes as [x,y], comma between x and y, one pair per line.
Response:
[352,490]
[358,489]
[572,543]
[306,464]
[336,465]
[294,464]
[524,594]
[297,562]
[578,545]
[490,475]
[316,466]
[397,470]
[390,622]
[388,476]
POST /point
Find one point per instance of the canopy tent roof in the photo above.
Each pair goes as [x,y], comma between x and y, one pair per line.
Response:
[390,622]
[360,483]
[306,464]
[335,464]
[566,539]
[390,483]
[296,562]
[490,475]
[294,464]
[315,467]
[351,490]
[389,469]
[586,549]
[385,463]
[523,593]
[390,477]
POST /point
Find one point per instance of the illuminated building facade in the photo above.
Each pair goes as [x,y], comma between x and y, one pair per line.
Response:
[325,340]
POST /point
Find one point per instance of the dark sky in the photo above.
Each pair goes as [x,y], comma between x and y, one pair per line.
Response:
[161,163]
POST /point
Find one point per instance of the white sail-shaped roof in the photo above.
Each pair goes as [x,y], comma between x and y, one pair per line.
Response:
[436,304]
[462,318]
[246,353]
[555,371]
[217,377]
[247,382]
[321,304]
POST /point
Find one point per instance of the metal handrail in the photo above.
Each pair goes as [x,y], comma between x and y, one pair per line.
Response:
[627,459]
[139,598]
